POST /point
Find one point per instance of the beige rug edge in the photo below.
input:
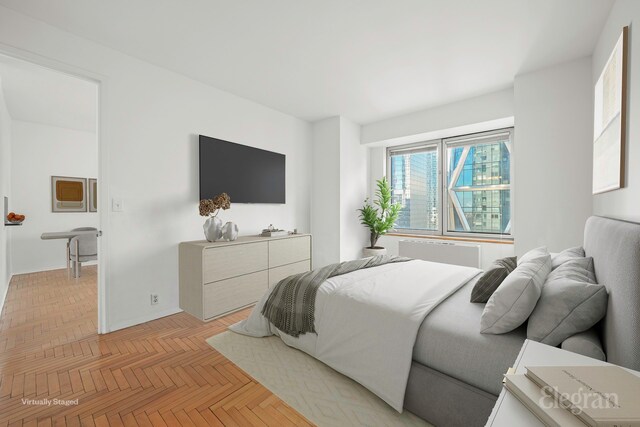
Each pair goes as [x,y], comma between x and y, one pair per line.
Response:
[324,396]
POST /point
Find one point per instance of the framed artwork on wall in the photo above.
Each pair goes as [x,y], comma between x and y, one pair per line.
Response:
[93,195]
[68,194]
[610,120]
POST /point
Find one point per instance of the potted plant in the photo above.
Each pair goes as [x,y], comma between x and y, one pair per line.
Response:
[379,217]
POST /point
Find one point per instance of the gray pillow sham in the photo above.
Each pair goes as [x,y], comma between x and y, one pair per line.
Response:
[514,300]
[492,278]
[566,307]
[558,259]
[586,343]
[579,269]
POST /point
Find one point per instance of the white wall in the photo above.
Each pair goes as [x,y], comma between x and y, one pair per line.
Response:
[5,190]
[552,150]
[434,122]
[353,190]
[38,152]
[623,203]
[339,189]
[377,159]
[325,192]
[153,117]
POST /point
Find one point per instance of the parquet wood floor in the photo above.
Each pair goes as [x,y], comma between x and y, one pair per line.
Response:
[161,373]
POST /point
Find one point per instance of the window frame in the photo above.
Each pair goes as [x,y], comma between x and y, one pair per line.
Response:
[442,146]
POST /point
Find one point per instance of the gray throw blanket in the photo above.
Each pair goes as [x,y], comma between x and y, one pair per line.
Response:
[291,304]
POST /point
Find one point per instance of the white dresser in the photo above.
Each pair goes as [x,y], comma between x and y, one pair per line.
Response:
[221,277]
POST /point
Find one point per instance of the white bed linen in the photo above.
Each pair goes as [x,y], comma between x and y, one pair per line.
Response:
[367,321]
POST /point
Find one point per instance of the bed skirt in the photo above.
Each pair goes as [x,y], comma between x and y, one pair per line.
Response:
[444,401]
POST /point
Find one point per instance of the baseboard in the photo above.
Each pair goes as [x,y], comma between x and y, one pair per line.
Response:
[143,319]
[53,268]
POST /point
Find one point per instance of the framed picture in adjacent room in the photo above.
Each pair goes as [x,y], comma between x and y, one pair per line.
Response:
[68,194]
[610,120]
[93,195]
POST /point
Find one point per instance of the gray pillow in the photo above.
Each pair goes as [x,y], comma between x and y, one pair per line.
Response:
[492,278]
[566,307]
[586,343]
[514,300]
[567,254]
[579,269]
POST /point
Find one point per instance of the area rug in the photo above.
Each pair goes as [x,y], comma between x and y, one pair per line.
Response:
[321,394]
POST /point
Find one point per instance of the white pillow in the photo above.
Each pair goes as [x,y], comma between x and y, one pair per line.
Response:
[514,300]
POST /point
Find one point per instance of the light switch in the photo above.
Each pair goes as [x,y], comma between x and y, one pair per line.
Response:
[117,205]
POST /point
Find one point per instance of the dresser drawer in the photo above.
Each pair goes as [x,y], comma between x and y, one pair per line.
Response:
[288,251]
[235,260]
[231,294]
[279,273]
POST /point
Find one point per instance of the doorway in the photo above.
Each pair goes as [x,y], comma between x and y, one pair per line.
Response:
[51,186]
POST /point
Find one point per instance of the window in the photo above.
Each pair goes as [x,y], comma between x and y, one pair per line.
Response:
[414,184]
[455,186]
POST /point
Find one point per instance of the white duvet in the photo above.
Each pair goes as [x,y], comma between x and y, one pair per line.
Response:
[367,321]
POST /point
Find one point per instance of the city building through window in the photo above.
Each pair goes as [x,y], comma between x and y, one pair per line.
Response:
[454,186]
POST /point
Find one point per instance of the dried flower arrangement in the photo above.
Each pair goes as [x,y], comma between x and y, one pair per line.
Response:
[211,207]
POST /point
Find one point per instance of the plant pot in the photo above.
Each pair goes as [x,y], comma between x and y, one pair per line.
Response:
[378,250]
[212,229]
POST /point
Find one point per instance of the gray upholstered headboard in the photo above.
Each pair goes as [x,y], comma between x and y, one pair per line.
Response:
[615,248]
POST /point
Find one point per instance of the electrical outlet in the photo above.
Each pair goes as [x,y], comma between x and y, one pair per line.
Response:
[154,299]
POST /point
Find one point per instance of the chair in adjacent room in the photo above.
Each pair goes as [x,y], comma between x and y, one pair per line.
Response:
[81,248]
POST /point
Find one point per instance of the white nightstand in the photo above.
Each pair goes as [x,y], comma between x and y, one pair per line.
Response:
[508,410]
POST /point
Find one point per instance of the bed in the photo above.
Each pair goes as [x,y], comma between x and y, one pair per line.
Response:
[453,373]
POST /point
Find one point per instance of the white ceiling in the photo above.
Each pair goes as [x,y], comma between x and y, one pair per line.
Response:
[364,59]
[39,95]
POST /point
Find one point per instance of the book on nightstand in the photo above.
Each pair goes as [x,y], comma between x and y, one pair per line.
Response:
[542,405]
[600,396]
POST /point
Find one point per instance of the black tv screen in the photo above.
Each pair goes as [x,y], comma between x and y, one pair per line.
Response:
[246,174]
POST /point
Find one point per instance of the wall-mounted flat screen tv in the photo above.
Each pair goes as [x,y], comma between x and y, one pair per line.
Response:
[246,174]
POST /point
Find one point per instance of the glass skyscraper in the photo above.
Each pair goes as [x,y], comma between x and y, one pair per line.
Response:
[414,184]
[482,192]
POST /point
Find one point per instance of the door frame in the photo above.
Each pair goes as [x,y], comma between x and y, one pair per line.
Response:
[101,82]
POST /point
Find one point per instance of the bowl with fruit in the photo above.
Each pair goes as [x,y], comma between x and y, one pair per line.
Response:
[14,218]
